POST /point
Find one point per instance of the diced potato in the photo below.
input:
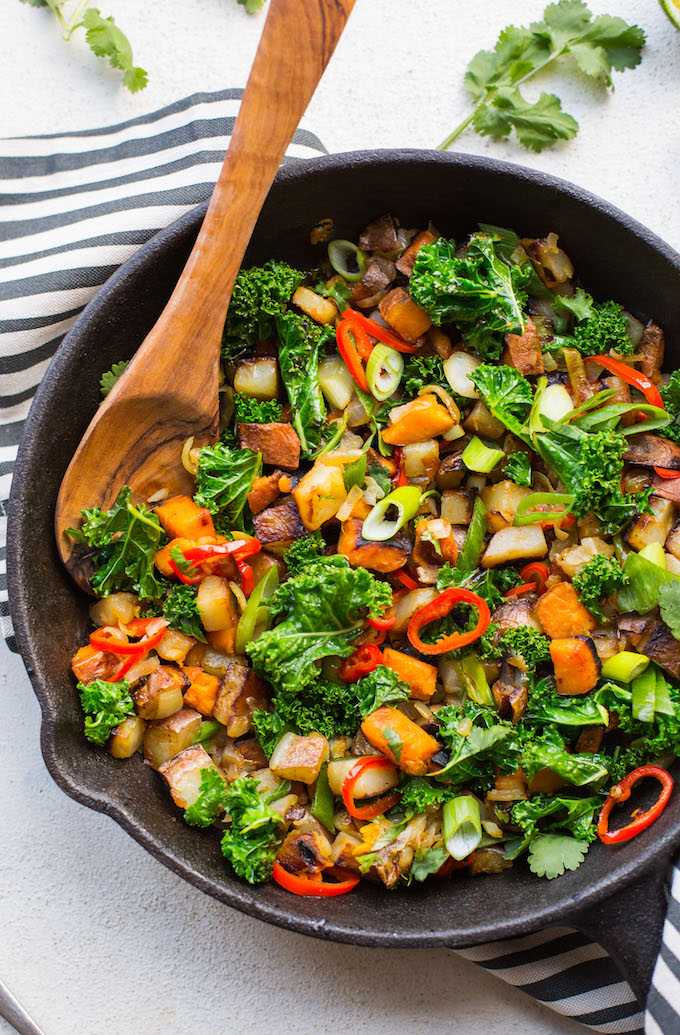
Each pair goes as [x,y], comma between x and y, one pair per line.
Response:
[456,506]
[257,378]
[481,421]
[161,694]
[127,737]
[373,781]
[174,646]
[451,471]
[319,495]
[165,739]
[216,604]
[119,607]
[183,774]
[241,693]
[304,851]
[299,758]
[278,443]
[265,780]
[315,306]
[515,544]
[572,560]
[336,382]
[654,527]
[421,459]
[501,501]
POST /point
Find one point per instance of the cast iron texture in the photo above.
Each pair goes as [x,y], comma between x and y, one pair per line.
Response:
[615,258]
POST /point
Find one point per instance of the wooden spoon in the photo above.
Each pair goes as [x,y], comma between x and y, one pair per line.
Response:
[169,390]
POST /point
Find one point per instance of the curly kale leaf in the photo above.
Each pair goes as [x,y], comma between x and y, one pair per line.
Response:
[300,344]
[210,802]
[323,608]
[382,686]
[420,371]
[517,467]
[321,707]
[224,479]
[670,394]
[546,706]
[125,540]
[252,841]
[507,394]
[479,743]
[548,751]
[259,295]
[303,552]
[523,641]
[607,328]
[181,612]
[477,291]
[256,411]
[598,578]
[419,794]
[105,705]
[564,811]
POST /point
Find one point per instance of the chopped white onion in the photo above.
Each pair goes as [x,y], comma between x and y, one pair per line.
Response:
[457,369]
[347,505]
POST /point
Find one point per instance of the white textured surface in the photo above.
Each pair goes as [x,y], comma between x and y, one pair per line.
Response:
[97,937]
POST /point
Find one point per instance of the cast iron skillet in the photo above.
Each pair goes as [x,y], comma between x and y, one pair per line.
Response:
[617,895]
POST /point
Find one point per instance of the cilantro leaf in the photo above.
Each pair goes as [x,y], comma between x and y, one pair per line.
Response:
[537,125]
[210,801]
[109,379]
[551,854]
[106,39]
[426,862]
[669,605]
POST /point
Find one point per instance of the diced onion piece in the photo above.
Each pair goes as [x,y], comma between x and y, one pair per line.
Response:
[408,605]
[457,370]
[480,458]
[240,596]
[346,508]
[355,411]
[318,308]
[454,412]
[453,433]
[383,371]
[119,607]
[189,461]
[158,497]
[625,666]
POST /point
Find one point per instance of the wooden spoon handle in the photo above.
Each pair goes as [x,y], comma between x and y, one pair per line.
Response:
[297,43]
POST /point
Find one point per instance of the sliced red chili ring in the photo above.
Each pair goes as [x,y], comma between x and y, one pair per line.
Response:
[537,571]
[364,660]
[153,633]
[516,591]
[376,330]
[352,339]
[666,472]
[314,885]
[377,808]
[621,792]
[406,580]
[399,478]
[631,377]
[440,607]
[386,622]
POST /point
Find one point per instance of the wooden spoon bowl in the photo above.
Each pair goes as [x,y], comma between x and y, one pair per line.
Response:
[169,390]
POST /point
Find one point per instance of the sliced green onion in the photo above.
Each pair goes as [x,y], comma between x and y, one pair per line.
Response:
[654,552]
[644,696]
[555,403]
[207,731]
[378,527]
[536,499]
[594,402]
[473,678]
[383,371]
[608,417]
[480,458]
[323,804]
[625,666]
[662,701]
[255,612]
[335,381]
[462,826]
[347,260]
[471,552]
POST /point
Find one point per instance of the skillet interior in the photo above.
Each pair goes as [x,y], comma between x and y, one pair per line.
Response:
[615,257]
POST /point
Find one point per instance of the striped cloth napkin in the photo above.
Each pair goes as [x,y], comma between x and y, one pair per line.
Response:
[74,206]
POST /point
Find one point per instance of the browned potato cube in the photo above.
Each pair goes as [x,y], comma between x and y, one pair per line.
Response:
[174,646]
[299,758]
[257,378]
[183,774]
[654,527]
[161,693]
[127,738]
[165,739]
[241,693]
[457,506]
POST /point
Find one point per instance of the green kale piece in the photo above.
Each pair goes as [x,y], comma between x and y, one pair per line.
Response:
[181,612]
[546,706]
[420,371]
[256,411]
[224,479]
[607,328]
[479,744]
[477,291]
[303,552]
[109,379]
[259,295]
[300,344]
[125,540]
[339,291]
[647,740]
[669,606]
[211,801]
[517,467]
[381,686]
[523,641]
[565,812]
[670,394]
[105,705]
[548,751]
[492,585]
[507,394]
[419,794]
[321,707]
[252,841]
[598,578]
[323,608]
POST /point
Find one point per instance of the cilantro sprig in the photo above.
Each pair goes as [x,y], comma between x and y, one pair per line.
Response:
[103,36]
[493,77]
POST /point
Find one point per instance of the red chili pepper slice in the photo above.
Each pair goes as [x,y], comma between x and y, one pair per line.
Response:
[247,576]
[363,661]
[666,472]
[621,792]
[314,885]
[349,783]
[516,591]
[386,622]
[406,580]
[399,478]
[376,330]
[447,868]
[349,337]
[239,548]
[153,632]
[440,607]
[631,377]
[536,571]
[564,522]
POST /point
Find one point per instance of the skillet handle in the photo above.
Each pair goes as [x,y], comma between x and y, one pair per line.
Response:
[629,925]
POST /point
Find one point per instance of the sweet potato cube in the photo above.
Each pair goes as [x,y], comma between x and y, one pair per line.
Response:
[241,692]
[299,758]
[406,319]
[89,664]
[182,518]
[264,491]
[365,553]
[319,495]
[406,261]
[562,614]
[278,443]
[202,691]
[183,774]
[387,726]
[277,527]
[163,558]
[421,677]
[576,663]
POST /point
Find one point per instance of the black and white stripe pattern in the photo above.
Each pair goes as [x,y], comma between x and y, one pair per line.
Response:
[74,206]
